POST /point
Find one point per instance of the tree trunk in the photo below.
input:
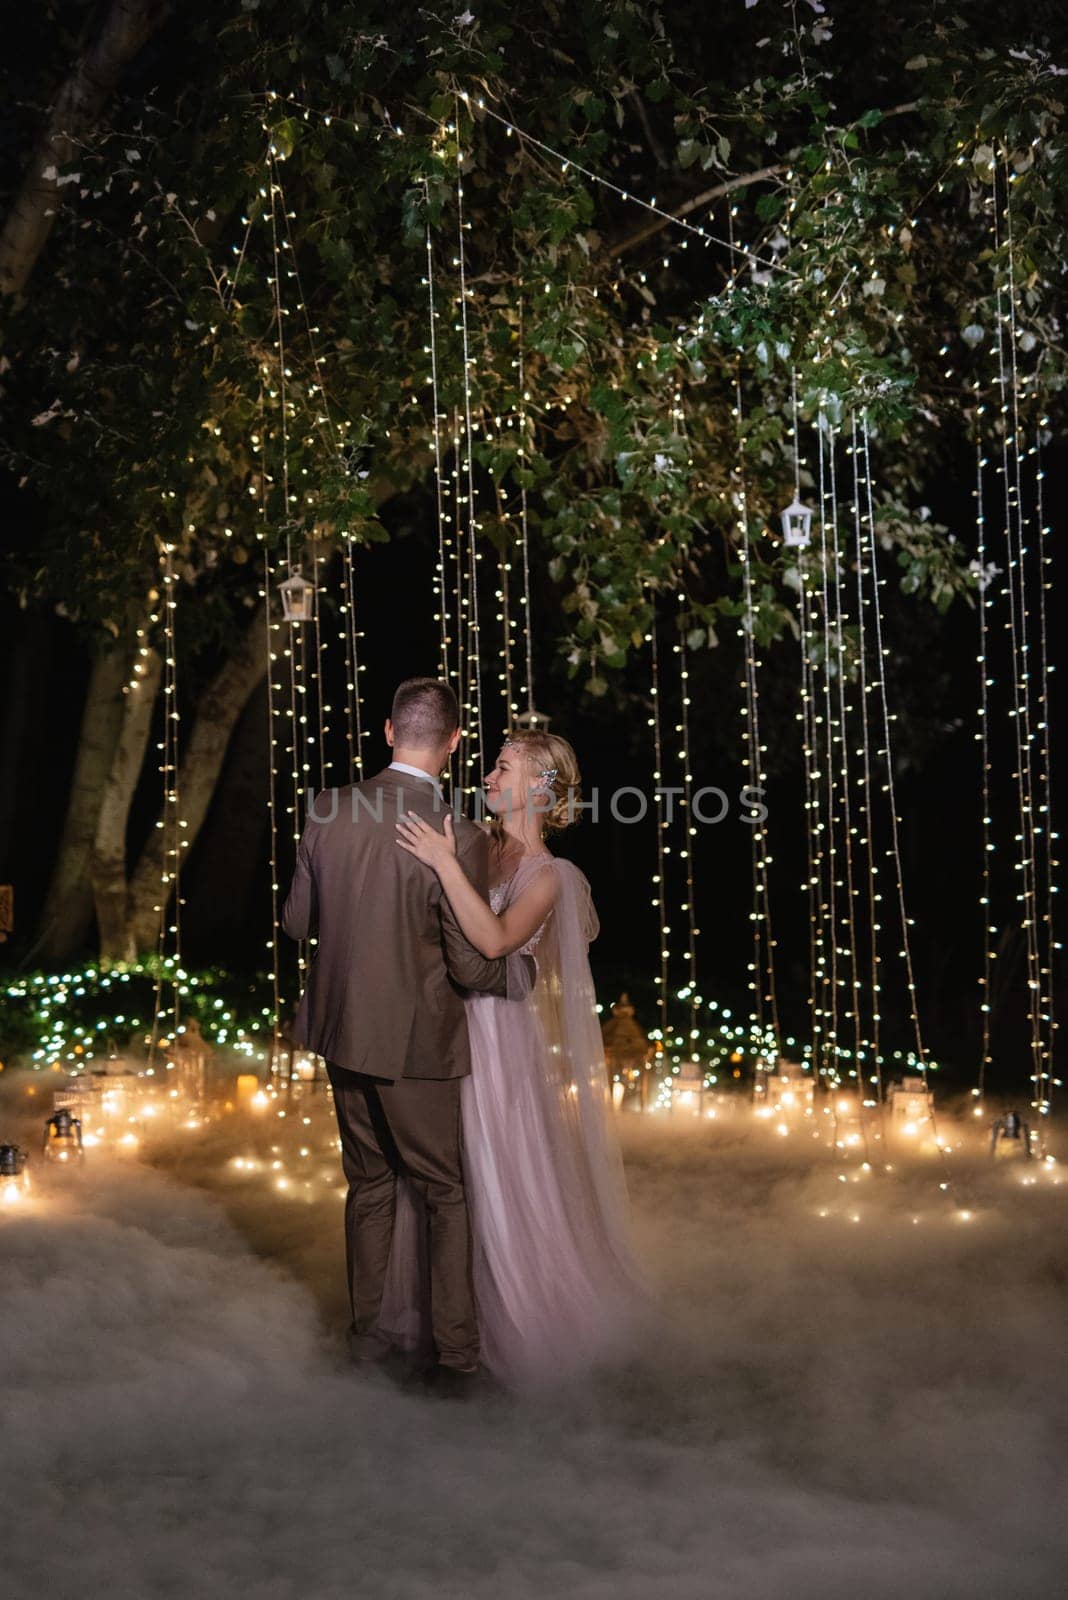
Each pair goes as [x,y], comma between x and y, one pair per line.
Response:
[198,773]
[108,871]
[68,906]
[128,26]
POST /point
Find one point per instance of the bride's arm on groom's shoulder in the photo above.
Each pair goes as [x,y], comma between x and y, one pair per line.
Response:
[509,978]
[300,913]
[490,934]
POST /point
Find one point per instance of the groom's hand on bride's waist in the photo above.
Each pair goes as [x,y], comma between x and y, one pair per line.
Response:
[522,972]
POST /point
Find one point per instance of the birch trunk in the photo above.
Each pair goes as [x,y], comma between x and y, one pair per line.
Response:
[108,872]
[127,27]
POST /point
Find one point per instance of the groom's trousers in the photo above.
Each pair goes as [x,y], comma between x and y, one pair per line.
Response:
[410,1125]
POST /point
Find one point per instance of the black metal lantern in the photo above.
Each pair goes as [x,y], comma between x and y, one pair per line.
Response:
[63,1137]
[14,1178]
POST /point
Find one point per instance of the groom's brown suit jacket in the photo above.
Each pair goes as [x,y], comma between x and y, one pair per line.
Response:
[384,993]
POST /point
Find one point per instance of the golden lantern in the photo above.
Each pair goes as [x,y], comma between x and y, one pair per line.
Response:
[628,1053]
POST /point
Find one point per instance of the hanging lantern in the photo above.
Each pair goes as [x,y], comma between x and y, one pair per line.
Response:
[14,1179]
[298,597]
[63,1136]
[796,524]
[532,721]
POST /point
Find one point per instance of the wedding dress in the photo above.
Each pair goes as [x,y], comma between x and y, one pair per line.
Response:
[555,1281]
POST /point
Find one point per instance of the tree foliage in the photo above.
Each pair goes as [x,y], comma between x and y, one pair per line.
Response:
[147,396]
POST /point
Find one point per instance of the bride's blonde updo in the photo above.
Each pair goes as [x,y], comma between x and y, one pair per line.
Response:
[542,752]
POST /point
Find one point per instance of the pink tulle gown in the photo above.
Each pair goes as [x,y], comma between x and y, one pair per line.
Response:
[555,1281]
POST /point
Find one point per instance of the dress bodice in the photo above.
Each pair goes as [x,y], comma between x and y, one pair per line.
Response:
[501,895]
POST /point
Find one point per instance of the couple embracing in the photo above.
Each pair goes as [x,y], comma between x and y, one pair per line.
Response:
[452,1000]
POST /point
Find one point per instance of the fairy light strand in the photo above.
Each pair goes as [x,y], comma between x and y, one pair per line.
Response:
[864,781]
[475,756]
[989,933]
[440,589]
[1016,623]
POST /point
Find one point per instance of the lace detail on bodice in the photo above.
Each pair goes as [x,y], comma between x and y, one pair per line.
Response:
[499,898]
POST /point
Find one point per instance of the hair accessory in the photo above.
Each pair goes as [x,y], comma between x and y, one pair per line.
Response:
[546,777]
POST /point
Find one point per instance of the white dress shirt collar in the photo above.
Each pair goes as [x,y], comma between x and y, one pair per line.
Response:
[416,772]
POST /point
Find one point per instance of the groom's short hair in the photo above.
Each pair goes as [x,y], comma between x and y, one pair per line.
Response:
[424,714]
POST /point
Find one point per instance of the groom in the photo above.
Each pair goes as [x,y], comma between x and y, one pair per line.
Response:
[384,1006]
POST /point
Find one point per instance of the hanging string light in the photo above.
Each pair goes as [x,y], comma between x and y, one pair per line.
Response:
[984,587]
[475,754]
[864,781]
[851,979]
[662,846]
[828,798]
[1010,471]
[1047,887]
[762,966]
[170,824]
[689,834]
[295,712]
[354,729]
[523,457]
[808,717]
[444,537]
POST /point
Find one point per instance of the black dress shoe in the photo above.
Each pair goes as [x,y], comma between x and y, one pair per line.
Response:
[455,1383]
[368,1349]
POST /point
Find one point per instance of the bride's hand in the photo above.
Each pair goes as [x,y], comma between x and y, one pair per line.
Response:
[425,842]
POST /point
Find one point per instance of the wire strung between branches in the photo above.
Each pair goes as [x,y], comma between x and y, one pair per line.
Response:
[568,162]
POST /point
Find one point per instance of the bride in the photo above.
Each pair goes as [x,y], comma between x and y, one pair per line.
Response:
[554,1279]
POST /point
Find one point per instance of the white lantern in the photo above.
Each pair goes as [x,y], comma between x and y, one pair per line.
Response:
[796,524]
[298,597]
[687,1087]
[532,721]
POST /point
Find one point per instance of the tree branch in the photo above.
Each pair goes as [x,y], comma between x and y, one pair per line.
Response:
[728,187]
[127,27]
